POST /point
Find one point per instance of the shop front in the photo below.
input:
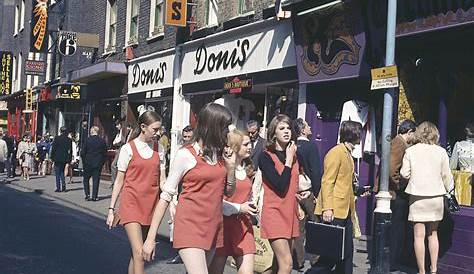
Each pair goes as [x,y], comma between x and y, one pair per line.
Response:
[251,70]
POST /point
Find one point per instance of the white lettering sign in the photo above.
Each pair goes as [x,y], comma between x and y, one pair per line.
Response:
[153,74]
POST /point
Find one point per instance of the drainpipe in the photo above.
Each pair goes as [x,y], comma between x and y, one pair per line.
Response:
[179,103]
[382,211]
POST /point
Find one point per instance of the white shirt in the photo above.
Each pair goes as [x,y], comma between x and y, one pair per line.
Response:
[3,150]
[145,151]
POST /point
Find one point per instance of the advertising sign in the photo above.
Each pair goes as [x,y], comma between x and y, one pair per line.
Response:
[176,11]
[39,26]
[33,67]
[6,59]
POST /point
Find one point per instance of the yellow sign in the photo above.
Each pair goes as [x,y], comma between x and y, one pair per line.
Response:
[176,11]
[386,77]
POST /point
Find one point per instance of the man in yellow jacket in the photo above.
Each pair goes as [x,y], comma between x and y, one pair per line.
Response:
[336,200]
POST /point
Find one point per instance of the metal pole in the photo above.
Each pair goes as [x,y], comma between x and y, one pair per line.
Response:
[382,211]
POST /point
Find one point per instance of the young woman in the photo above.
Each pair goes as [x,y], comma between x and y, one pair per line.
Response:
[238,230]
[137,184]
[68,169]
[201,167]
[26,155]
[280,171]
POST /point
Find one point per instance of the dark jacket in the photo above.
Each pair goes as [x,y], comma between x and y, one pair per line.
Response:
[10,147]
[94,152]
[61,150]
[259,147]
[397,151]
[308,157]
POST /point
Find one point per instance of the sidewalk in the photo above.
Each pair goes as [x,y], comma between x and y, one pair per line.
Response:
[75,196]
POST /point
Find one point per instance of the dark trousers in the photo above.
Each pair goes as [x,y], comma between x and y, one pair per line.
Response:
[8,167]
[308,206]
[59,173]
[325,265]
[398,229]
[93,172]
[13,165]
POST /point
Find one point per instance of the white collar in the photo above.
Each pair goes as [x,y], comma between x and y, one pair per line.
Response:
[303,138]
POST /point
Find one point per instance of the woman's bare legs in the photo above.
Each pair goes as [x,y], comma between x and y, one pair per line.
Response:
[194,260]
[135,237]
[419,243]
[282,250]
[433,245]
[245,264]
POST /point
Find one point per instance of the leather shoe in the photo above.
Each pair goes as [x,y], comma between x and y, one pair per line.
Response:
[175,260]
[57,190]
[95,199]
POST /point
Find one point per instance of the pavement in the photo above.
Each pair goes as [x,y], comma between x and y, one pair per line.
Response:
[73,199]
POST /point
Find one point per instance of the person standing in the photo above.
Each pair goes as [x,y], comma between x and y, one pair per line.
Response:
[8,160]
[426,166]
[137,185]
[258,143]
[397,185]
[336,201]
[239,241]
[3,150]
[201,167]
[26,154]
[61,153]
[93,155]
[119,140]
[69,168]
[310,169]
[280,171]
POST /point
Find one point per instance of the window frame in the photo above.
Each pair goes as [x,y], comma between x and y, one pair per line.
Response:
[109,46]
[128,30]
[208,9]
[153,33]
[22,16]
[241,4]
[17,18]
[19,71]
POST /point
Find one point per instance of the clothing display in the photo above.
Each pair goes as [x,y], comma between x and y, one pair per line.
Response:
[239,107]
[463,156]
[463,187]
[362,112]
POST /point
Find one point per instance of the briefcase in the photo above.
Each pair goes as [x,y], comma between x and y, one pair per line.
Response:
[326,240]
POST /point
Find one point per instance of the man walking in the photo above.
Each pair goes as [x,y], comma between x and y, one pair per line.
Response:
[3,150]
[8,160]
[258,143]
[61,153]
[399,202]
[93,155]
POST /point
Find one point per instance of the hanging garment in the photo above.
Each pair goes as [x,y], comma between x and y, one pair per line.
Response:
[362,112]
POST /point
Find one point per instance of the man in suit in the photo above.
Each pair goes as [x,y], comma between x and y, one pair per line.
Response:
[336,201]
[397,185]
[258,143]
[93,155]
[61,153]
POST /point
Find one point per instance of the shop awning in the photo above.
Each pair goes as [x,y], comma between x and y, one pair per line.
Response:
[99,71]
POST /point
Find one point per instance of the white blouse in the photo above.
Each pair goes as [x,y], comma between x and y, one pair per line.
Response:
[145,151]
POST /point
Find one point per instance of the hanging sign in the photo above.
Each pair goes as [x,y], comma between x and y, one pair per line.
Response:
[237,84]
[69,92]
[33,67]
[67,43]
[386,77]
[6,59]
[39,26]
[176,12]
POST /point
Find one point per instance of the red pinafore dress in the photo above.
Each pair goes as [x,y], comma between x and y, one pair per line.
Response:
[238,229]
[279,214]
[198,220]
[141,189]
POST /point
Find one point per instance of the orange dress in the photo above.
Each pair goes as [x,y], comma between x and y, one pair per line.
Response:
[141,189]
[238,229]
[279,214]
[198,220]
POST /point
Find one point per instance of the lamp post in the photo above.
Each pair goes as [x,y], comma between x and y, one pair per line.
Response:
[382,210]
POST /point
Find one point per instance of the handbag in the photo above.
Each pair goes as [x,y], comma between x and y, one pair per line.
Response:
[326,240]
[264,253]
[450,202]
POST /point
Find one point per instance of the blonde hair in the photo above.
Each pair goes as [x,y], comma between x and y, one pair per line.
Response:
[235,139]
[427,133]
[94,130]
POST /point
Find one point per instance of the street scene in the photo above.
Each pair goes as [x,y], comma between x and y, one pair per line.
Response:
[237,136]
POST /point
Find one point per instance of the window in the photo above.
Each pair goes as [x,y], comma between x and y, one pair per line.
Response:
[22,15]
[14,76]
[212,11]
[17,17]
[19,71]
[156,17]
[49,59]
[245,6]
[132,11]
[111,27]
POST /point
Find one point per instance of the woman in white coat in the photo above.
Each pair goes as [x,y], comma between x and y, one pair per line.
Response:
[426,165]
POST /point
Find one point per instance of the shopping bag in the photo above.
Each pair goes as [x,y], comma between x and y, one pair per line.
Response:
[264,254]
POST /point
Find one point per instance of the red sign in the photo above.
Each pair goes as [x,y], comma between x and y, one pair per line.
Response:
[237,85]
[33,67]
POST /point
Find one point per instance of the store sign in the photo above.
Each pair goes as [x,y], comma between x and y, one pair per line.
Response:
[330,44]
[176,12]
[154,74]
[67,43]
[386,77]
[237,84]
[267,48]
[33,67]
[6,59]
[39,26]
[69,92]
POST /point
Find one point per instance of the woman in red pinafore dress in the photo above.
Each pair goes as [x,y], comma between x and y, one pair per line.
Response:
[137,184]
[280,170]
[239,241]
[205,169]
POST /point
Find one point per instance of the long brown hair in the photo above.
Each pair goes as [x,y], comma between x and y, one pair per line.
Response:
[212,129]
[148,117]
[271,138]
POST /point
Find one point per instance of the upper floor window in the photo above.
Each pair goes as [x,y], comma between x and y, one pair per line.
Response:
[22,15]
[156,17]
[245,6]
[17,17]
[19,71]
[212,11]
[111,27]
[132,21]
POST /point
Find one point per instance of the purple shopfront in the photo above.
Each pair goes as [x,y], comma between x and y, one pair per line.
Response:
[335,50]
